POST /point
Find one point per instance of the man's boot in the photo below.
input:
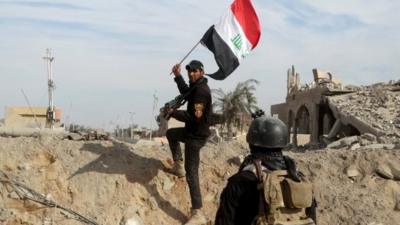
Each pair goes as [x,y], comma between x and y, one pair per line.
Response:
[178,169]
[197,218]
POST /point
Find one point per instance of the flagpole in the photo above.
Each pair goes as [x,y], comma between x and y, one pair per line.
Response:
[191,50]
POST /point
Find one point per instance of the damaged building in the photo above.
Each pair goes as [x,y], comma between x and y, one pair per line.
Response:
[323,110]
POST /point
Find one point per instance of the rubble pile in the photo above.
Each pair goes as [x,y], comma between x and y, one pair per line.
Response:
[376,105]
[114,182]
[367,141]
[91,134]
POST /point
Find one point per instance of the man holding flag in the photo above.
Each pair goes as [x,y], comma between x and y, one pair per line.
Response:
[230,40]
[197,119]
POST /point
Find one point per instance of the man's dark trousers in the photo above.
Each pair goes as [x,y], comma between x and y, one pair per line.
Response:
[192,160]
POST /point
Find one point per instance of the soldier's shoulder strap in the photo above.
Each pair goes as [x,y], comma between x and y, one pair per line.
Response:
[257,169]
[291,168]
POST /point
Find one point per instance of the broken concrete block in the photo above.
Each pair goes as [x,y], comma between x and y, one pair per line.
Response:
[383,140]
[380,146]
[364,142]
[384,171]
[335,128]
[347,141]
[352,171]
[375,223]
[369,137]
[395,170]
[355,146]
[335,144]
[134,220]
[389,146]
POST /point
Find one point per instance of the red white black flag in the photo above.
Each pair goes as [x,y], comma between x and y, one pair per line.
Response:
[233,37]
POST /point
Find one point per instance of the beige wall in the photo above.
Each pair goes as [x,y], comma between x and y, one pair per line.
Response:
[25,116]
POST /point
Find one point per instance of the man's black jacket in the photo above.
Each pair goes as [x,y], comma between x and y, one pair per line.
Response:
[201,94]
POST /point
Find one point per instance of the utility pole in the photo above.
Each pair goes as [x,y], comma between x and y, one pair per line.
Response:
[131,126]
[155,103]
[50,83]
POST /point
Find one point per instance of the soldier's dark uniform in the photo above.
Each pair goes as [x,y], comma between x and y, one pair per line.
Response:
[240,199]
[194,134]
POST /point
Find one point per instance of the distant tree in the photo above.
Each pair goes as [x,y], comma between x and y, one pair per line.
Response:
[239,101]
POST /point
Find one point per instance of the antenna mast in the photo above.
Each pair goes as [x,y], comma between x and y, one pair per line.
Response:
[51,110]
[155,103]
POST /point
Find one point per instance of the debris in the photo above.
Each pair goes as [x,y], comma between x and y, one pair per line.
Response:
[347,141]
[335,144]
[395,169]
[133,221]
[380,146]
[344,142]
[355,146]
[369,137]
[352,171]
[384,171]
[342,112]
[131,217]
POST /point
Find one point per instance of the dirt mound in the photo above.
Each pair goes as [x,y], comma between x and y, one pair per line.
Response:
[348,190]
[111,182]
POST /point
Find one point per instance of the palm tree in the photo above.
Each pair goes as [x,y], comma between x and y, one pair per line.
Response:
[239,101]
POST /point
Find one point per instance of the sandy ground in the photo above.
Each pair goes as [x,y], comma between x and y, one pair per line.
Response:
[110,181]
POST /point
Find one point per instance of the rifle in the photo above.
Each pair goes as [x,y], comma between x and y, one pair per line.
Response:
[175,103]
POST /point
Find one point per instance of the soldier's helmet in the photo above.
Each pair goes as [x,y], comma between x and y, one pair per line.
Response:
[267,132]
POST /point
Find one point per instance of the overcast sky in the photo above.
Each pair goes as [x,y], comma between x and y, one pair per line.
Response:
[112,56]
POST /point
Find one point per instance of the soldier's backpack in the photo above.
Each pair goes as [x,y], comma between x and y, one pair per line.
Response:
[286,198]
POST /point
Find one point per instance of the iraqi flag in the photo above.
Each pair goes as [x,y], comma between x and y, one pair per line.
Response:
[233,37]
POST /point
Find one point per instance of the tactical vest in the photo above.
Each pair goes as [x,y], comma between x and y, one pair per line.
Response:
[286,199]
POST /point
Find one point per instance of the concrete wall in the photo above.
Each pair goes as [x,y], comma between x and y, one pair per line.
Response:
[301,112]
[19,117]
[281,111]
